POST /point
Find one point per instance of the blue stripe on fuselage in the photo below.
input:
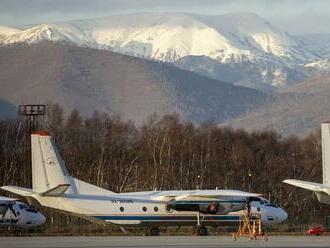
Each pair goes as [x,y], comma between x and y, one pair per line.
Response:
[167,218]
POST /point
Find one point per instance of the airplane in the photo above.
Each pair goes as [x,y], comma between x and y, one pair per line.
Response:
[322,190]
[54,187]
[17,215]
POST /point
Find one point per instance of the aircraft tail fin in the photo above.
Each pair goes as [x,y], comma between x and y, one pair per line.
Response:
[325,132]
[49,174]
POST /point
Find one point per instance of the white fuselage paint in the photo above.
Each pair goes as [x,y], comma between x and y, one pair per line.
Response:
[142,208]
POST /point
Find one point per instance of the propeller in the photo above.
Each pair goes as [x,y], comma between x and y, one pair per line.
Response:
[9,206]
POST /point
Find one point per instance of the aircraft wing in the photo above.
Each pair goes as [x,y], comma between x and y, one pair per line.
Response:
[186,197]
[305,185]
[201,197]
[4,199]
[322,191]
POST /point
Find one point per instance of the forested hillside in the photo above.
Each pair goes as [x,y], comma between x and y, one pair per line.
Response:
[166,153]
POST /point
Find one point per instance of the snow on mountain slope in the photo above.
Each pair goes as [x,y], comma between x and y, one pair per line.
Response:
[319,44]
[251,32]
[319,65]
[6,31]
[51,32]
[266,53]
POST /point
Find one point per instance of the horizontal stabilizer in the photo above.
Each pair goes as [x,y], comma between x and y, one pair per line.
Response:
[18,190]
[56,191]
[306,185]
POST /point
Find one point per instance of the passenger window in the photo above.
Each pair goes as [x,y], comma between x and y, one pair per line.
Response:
[156,209]
[121,209]
[144,209]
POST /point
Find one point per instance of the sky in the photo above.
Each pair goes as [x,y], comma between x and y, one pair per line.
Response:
[294,16]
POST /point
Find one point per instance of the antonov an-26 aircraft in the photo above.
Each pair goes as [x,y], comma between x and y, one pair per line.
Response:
[322,190]
[54,187]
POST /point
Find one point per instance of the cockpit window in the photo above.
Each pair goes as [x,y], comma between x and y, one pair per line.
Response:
[22,206]
[31,210]
[271,205]
[254,199]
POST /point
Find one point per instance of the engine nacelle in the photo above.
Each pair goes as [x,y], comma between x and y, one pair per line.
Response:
[205,208]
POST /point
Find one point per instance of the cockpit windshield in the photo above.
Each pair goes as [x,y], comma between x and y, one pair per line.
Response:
[27,208]
[271,205]
[23,206]
[32,210]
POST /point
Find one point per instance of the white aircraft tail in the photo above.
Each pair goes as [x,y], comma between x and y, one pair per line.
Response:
[49,174]
[48,169]
[325,132]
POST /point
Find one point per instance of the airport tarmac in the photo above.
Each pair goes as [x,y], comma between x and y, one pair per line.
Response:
[163,241]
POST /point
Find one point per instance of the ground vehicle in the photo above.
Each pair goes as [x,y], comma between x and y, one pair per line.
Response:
[317,230]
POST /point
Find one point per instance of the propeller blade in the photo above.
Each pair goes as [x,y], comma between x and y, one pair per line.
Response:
[5,211]
[12,209]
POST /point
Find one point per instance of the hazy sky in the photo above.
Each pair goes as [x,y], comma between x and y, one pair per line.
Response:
[295,16]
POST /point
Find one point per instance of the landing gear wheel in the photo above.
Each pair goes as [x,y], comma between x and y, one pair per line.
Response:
[154,231]
[202,231]
[18,233]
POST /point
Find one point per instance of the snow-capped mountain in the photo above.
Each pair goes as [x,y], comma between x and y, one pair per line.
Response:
[7,31]
[318,44]
[263,54]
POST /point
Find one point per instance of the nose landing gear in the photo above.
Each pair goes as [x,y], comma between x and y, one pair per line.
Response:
[201,229]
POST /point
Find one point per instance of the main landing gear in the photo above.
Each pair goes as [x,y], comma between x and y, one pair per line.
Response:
[201,229]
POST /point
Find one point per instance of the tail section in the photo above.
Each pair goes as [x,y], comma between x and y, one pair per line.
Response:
[325,132]
[48,168]
[49,174]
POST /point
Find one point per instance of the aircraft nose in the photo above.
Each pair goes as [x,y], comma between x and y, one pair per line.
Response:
[283,215]
[42,219]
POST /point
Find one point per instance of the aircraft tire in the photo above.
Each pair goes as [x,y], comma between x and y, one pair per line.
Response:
[202,231]
[154,231]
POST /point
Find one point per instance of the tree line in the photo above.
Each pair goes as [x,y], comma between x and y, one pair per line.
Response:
[166,153]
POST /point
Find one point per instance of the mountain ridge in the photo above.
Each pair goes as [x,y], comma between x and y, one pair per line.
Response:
[266,55]
[89,79]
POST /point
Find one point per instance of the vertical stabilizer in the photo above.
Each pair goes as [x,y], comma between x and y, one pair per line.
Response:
[48,168]
[325,132]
